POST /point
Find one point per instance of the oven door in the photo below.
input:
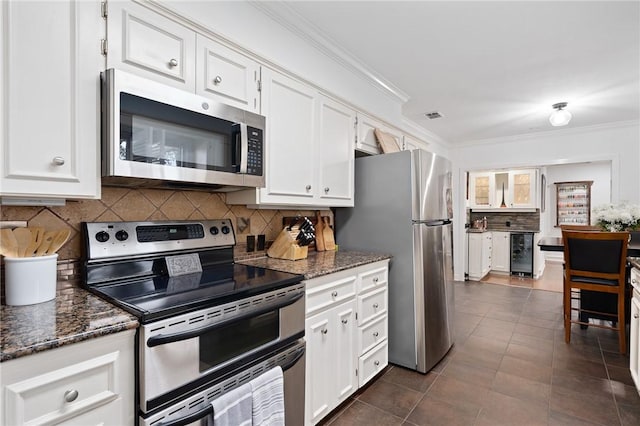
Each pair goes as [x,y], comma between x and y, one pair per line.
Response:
[181,353]
[196,409]
[159,132]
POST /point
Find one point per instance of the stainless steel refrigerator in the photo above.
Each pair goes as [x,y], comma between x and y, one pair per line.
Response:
[403,207]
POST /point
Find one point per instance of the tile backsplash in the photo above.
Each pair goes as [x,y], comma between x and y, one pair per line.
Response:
[518,221]
[124,204]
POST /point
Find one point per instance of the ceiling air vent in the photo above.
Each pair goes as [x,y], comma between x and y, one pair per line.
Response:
[433,115]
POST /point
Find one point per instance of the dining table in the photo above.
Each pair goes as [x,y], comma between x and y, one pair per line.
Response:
[556,244]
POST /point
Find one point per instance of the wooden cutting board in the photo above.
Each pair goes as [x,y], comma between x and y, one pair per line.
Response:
[327,234]
[387,141]
[319,233]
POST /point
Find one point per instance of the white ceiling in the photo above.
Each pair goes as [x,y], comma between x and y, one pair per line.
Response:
[492,69]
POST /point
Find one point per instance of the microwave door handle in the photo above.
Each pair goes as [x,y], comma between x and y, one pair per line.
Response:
[244,147]
[162,339]
[201,414]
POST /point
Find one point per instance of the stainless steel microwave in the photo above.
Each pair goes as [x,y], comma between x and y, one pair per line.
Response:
[155,135]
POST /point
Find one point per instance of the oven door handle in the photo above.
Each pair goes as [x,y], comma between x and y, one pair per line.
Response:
[162,339]
[201,414]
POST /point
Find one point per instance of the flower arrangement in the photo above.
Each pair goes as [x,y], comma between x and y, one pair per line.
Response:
[621,217]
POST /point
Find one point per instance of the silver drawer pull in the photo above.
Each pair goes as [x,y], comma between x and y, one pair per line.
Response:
[308,188]
[324,331]
[70,395]
[375,280]
[375,306]
[634,281]
[57,161]
[635,315]
[376,363]
[173,62]
[344,320]
[326,190]
[217,80]
[334,294]
[375,334]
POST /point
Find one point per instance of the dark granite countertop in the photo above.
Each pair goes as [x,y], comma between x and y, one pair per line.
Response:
[73,316]
[319,263]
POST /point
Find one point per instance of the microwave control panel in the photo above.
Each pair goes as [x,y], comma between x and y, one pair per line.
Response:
[255,151]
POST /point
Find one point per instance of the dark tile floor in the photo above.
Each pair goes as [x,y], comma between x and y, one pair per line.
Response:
[509,366]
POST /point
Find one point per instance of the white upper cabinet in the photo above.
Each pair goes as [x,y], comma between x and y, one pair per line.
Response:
[366,139]
[522,188]
[144,42]
[309,155]
[409,143]
[335,146]
[50,71]
[515,189]
[227,75]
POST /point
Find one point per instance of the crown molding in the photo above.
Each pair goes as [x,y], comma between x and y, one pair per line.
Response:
[287,17]
[557,132]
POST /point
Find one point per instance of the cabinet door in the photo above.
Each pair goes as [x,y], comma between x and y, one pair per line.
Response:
[486,253]
[481,190]
[226,75]
[634,340]
[344,356]
[475,256]
[409,143]
[319,377]
[335,145]
[500,251]
[50,99]
[146,43]
[290,108]
[522,188]
[366,140]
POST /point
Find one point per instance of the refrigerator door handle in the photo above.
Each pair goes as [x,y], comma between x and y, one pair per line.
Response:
[439,222]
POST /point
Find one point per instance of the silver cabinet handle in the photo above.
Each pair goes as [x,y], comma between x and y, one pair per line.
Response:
[344,320]
[634,281]
[375,306]
[308,187]
[635,315]
[375,334]
[324,331]
[375,280]
[326,190]
[334,294]
[57,161]
[217,80]
[173,62]
[376,363]
[70,395]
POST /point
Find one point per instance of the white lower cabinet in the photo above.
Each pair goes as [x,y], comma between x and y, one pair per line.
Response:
[634,335]
[479,254]
[500,251]
[346,333]
[87,383]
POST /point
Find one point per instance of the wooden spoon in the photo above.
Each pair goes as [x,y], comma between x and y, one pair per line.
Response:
[46,242]
[8,243]
[37,234]
[59,239]
[23,237]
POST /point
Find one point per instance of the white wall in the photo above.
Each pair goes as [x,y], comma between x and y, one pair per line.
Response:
[619,145]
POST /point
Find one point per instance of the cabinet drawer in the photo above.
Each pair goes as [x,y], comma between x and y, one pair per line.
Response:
[371,305]
[372,334]
[329,294]
[62,394]
[372,363]
[372,279]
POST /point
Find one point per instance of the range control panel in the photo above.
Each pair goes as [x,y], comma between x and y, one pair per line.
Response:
[118,239]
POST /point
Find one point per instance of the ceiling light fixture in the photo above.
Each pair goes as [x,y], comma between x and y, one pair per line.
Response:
[559,117]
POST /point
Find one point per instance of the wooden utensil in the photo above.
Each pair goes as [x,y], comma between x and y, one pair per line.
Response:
[37,234]
[46,242]
[319,234]
[327,235]
[59,239]
[8,243]
[23,238]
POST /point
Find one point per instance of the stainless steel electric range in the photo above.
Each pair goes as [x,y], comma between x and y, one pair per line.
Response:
[208,324]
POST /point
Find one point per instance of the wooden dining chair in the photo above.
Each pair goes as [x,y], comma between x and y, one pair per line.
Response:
[580,228]
[595,261]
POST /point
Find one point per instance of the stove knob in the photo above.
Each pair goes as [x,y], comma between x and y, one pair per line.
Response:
[122,235]
[214,230]
[225,229]
[102,237]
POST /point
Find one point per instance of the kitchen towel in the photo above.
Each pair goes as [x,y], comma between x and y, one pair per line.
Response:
[233,408]
[268,398]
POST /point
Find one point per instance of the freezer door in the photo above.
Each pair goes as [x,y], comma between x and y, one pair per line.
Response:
[431,187]
[434,298]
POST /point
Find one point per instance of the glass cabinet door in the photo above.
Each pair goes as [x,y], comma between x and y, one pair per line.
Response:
[522,186]
[481,189]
